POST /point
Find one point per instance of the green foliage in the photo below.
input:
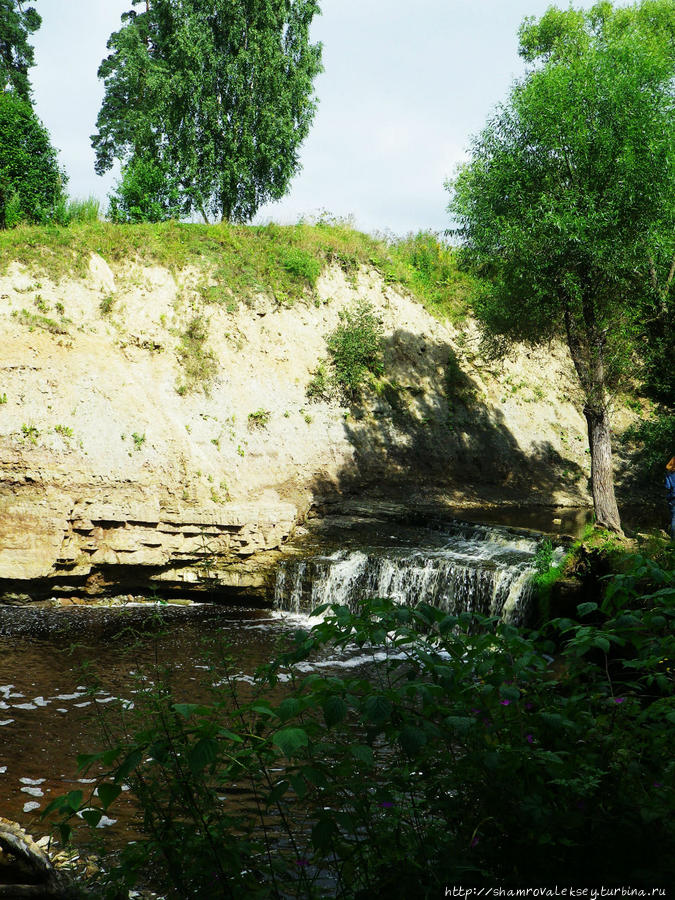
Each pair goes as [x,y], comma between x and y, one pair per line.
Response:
[3,399]
[459,756]
[301,264]
[64,430]
[138,439]
[429,267]
[216,97]
[568,203]
[259,419]
[145,193]
[199,364]
[37,320]
[242,261]
[16,54]
[355,352]
[30,433]
[320,385]
[31,182]
[106,305]
[83,211]
[656,443]
[577,162]
[355,348]
[543,559]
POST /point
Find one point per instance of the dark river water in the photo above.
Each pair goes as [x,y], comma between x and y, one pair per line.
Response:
[50,658]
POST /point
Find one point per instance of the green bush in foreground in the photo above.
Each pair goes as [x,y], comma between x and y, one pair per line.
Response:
[466,752]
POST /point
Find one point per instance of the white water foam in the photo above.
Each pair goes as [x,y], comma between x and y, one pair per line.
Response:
[478,569]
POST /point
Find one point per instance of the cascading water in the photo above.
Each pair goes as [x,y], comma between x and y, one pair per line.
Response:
[476,568]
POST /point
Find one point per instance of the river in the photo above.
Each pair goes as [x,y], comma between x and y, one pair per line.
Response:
[51,654]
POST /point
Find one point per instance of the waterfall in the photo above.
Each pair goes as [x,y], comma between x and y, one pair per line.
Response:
[476,568]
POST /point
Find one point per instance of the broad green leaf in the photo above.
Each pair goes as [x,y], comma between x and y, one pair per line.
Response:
[585,609]
[377,709]
[299,785]
[289,708]
[412,739]
[92,816]
[203,753]
[323,834]
[262,708]
[132,760]
[277,792]
[334,710]
[189,709]
[363,753]
[289,740]
[108,793]
[73,800]
[230,735]
[459,723]
[84,760]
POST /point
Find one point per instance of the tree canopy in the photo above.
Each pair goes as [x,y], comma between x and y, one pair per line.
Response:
[217,95]
[31,181]
[568,201]
[16,54]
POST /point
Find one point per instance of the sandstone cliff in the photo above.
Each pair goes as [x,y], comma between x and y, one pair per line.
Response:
[127,461]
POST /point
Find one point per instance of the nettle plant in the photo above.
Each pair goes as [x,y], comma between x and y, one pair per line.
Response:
[464,751]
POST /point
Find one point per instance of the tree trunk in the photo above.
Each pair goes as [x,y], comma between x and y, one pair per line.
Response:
[587,348]
[602,477]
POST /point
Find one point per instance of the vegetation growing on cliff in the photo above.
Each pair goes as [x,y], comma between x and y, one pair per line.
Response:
[242,261]
[354,353]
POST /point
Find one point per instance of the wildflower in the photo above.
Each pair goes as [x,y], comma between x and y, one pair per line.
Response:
[474,841]
[529,738]
[386,804]
[302,862]
[505,702]
[529,705]
[658,784]
[618,699]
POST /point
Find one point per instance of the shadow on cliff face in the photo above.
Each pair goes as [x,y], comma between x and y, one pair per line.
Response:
[425,430]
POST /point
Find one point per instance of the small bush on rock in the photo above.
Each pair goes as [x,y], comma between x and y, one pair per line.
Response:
[354,353]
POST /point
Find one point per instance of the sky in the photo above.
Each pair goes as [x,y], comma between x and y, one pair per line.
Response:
[405,86]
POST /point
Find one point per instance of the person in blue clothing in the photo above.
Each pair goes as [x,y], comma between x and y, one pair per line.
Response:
[670,493]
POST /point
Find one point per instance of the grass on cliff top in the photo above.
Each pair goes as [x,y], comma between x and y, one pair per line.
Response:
[241,261]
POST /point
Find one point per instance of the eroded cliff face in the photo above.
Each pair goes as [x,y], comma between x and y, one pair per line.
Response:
[119,469]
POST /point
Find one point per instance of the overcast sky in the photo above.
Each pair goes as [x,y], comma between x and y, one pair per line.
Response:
[405,86]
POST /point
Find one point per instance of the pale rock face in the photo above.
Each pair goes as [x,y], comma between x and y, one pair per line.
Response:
[108,476]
